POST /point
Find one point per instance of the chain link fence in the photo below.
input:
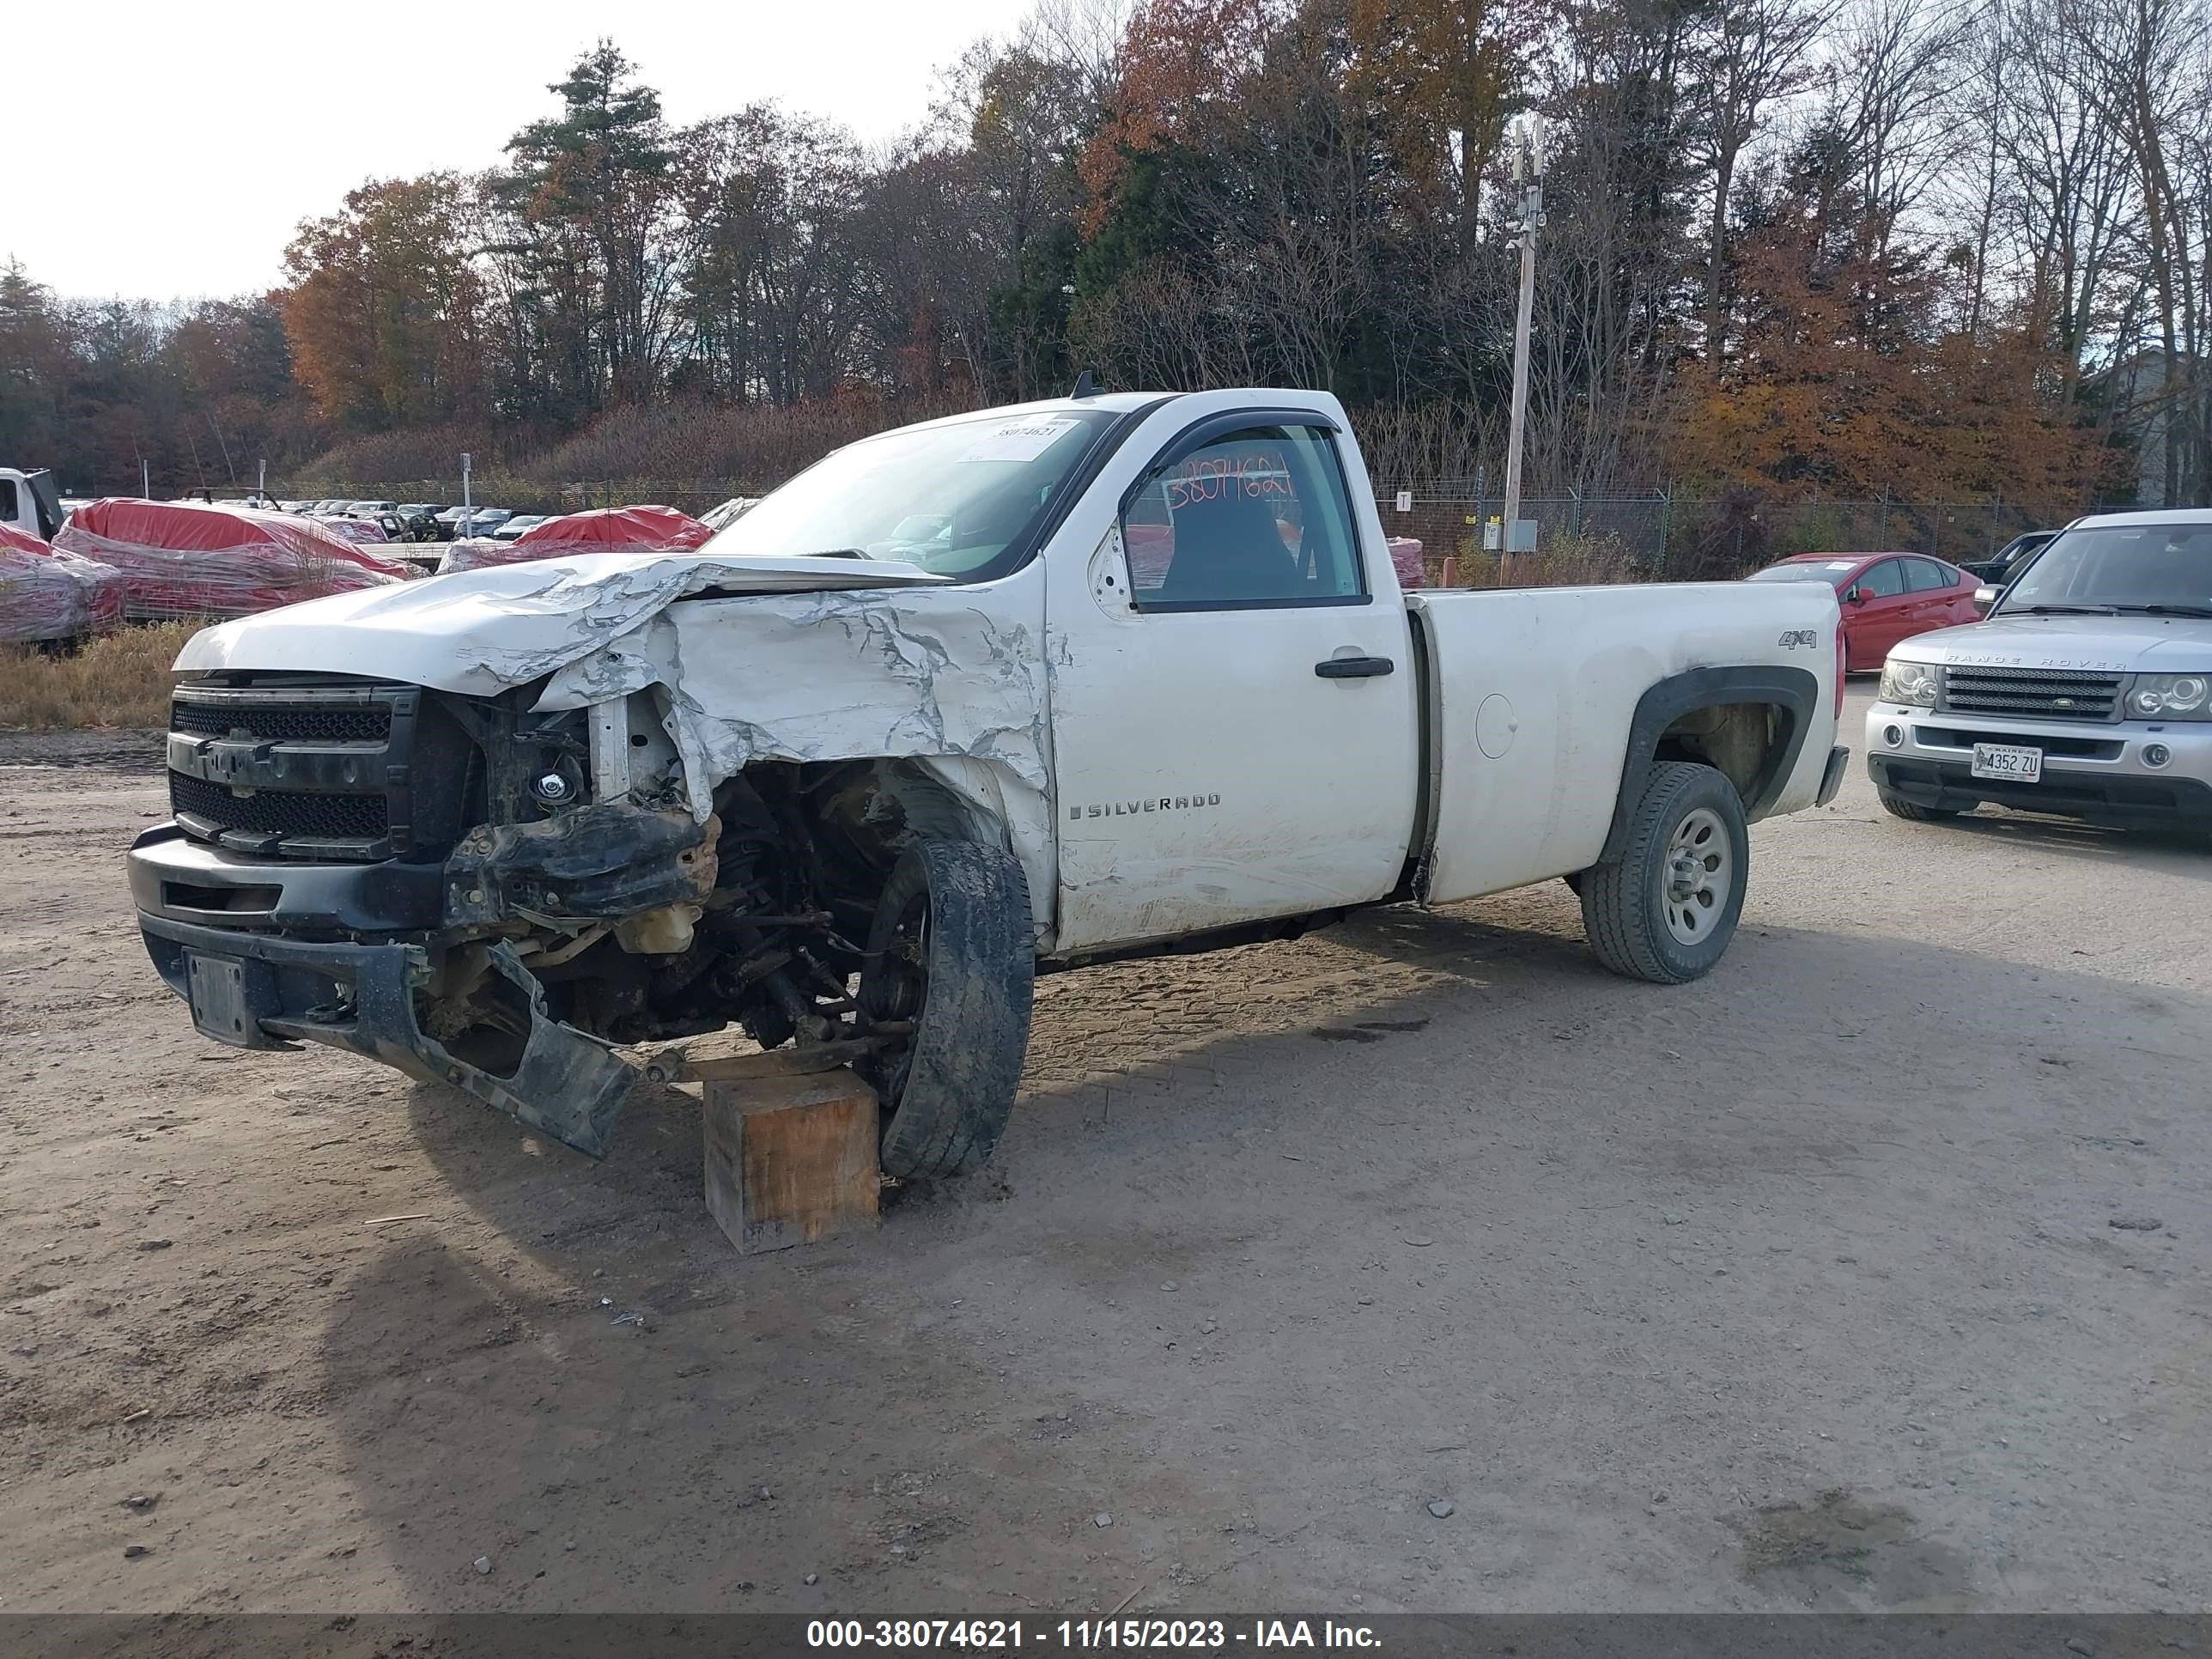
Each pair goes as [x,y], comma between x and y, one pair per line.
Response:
[1667,537]
[694,496]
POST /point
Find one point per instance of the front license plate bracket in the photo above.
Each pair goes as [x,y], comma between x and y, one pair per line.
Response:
[228,997]
[2008,762]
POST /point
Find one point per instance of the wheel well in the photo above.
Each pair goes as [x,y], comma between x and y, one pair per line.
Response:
[1740,740]
[1747,721]
[850,820]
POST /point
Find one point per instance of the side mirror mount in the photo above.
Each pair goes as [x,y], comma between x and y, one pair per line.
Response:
[1857,596]
[1987,595]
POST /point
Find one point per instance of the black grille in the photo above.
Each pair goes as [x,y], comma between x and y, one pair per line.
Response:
[332,766]
[2064,694]
[280,811]
[278,723]
[2077,748]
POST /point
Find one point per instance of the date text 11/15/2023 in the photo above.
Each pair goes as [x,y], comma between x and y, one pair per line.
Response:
[1188,1635]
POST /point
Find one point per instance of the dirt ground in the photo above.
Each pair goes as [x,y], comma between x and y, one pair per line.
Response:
[1797,1287]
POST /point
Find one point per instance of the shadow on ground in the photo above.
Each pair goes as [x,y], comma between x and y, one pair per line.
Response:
[1608,1271]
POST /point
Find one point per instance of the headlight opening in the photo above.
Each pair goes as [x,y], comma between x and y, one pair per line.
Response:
[1912,683]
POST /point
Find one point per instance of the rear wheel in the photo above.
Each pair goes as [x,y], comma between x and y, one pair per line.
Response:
[1912,810]
[1667,909]
[951,954]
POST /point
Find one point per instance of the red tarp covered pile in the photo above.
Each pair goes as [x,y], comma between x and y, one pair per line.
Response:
[50,595]
[602,530]
[187,559]
[1406,559]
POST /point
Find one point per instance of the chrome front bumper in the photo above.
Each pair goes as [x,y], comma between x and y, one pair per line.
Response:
[2102,771]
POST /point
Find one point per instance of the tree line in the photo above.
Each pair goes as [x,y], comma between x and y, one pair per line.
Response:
[1792,248]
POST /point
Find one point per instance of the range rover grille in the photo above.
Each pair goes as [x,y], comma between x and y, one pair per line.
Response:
[2064,694]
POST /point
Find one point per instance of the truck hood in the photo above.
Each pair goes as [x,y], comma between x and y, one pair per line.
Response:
[480,632]
[2113,645]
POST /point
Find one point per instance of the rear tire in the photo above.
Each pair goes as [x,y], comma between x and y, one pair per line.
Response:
[1667,909]
[951,950]
[1912,811]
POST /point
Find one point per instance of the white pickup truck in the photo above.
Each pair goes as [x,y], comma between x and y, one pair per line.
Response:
[29,502]
[1001,694]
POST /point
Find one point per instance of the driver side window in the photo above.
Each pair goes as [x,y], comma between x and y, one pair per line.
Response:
[1255,518]
[1883,580]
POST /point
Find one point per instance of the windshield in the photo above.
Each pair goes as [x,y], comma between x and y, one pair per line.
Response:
[958,499]
[1832,571]
[2120,567]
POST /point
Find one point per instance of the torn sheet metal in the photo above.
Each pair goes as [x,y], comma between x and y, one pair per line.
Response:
[830,675]
[479,632]
[949,677]
[751,659]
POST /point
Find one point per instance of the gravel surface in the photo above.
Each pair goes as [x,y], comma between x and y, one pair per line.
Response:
[1419,1262]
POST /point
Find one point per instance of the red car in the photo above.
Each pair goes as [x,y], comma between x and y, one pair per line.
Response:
[1885,598]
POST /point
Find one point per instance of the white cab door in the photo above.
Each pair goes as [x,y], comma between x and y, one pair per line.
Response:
[1233,700]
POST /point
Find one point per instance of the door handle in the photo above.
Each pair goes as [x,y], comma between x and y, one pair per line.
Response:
[1353,668]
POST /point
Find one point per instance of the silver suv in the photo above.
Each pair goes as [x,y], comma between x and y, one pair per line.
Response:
[2086,691]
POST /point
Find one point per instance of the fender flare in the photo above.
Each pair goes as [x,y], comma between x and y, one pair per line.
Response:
[1794,691]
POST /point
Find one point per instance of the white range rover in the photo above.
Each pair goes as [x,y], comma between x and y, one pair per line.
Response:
[2086,692]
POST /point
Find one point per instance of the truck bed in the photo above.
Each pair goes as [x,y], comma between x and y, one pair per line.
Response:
[1528,696]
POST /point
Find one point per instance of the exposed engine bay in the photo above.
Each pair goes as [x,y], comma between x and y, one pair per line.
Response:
[643,925]
[561,845]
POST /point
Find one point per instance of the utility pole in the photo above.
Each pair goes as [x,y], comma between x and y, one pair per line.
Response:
[1527,138]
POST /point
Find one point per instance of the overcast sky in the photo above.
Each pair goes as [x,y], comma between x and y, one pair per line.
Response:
[166,151]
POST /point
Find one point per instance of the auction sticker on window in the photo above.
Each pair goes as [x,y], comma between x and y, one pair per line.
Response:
[1019,440]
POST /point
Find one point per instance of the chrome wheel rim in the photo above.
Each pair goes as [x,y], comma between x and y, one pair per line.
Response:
[1699,872]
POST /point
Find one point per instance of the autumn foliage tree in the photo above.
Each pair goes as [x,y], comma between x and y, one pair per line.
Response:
[1846,381]
[196,394]
[1443,76]
[384,315]
[1795,247]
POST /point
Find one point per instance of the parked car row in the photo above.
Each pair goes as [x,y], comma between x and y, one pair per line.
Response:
[2011,559]
[401,521]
